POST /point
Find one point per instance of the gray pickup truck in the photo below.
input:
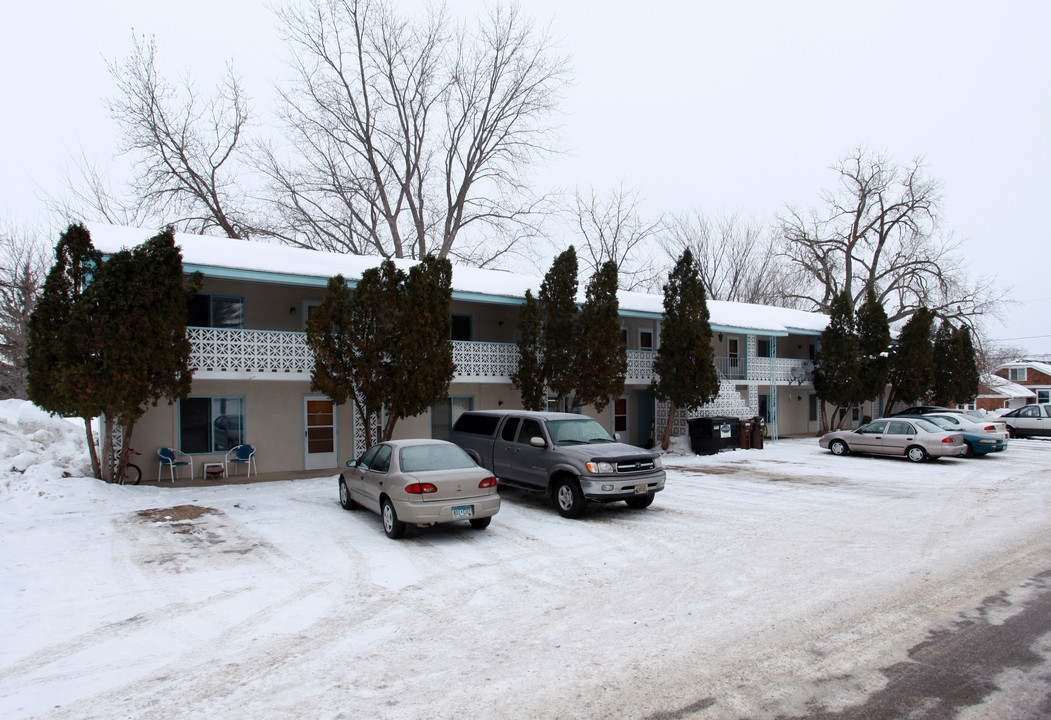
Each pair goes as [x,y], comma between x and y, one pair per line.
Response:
[569,457]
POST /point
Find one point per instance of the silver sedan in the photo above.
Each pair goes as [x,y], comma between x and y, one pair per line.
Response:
[914,438]
[419,482]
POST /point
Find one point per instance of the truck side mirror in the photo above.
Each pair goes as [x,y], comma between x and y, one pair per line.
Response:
[537,442]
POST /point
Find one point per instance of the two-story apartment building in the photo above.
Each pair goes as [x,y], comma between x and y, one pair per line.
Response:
[252,366]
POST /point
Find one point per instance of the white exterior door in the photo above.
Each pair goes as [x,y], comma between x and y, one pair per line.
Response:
[319,433]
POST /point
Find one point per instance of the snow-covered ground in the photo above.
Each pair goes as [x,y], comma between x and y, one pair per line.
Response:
[759,581]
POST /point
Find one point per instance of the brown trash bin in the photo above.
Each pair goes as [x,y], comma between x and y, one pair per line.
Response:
[758,425]
[745,439]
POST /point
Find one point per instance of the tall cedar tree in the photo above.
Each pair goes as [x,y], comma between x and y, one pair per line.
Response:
[684,368]
[837,364]
[49,355]
[603,357]
[944,353]
[873,346]
[912,362]
[968,378]
[332,343]
[125,343]
[528,377]
[558,302]
[373,319]
[387,346]
[420,363]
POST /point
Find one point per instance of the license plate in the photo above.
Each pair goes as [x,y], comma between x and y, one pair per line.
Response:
[464,511]
[642,489]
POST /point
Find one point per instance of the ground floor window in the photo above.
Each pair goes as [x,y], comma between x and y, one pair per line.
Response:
[447,412]
[620,415]
[1043,396]
[569,405]
[211,424]
[813,408]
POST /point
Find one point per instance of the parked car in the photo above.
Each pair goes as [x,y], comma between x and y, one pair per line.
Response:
[1030,420]
[571,458]
[920,410]
[419,482]
[978,441]
[964,422]
[914,437]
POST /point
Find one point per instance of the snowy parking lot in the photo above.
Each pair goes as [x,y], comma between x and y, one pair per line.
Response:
[760,584]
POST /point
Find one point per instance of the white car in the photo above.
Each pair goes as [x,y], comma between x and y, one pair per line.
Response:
[963,421]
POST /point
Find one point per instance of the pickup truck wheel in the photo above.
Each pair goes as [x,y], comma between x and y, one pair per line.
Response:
[568,498]
[640,501]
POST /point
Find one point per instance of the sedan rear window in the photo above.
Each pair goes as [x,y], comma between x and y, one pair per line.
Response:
[422,458]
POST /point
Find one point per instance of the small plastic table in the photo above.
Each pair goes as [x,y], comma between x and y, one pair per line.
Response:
[213,471]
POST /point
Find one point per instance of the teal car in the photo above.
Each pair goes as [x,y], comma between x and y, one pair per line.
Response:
[978,443]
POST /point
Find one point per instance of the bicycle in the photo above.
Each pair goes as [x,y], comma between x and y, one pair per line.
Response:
[132,472]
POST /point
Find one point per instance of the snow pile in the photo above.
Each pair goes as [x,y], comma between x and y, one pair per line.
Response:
[37,448]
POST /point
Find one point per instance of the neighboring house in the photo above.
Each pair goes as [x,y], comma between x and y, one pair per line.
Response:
[996,393]
[1033,375]
[252,366]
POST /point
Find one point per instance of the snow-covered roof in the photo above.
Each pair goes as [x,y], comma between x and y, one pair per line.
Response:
[1037,365]
[1002,387]
[242,259]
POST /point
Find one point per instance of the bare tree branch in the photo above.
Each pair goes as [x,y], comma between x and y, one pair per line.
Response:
[406,133]
[880,229]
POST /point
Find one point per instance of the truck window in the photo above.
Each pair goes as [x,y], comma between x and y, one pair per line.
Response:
[510,428]
[469,422]
[530,430]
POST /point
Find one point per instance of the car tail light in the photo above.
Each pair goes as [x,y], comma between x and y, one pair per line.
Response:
[420,488]
[951,439]
[488,483]
[990,428]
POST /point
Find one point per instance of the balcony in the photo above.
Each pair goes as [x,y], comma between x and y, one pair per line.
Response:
[270,355]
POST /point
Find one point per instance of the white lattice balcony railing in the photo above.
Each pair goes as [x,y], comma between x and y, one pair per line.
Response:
[789,370]
[219,350]
[484,361]
[640,367]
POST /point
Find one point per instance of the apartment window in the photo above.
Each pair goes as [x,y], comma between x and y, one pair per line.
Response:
[645,339]
[1016,374]
[462,327]
[620,415]
[813,408]
[211,424]
[764,348]
[447,412]
[1043,396]
[569,406]
[217,311]
[624,336]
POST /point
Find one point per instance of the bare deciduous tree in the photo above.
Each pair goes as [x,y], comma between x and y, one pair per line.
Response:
[879,229]
[186,150]
[736,258]
[612,228]
[407,133]
[22,269]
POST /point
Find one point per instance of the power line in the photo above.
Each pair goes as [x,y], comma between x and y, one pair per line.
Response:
[1028,337]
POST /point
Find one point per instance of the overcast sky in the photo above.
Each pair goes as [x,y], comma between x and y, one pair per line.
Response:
[728,107]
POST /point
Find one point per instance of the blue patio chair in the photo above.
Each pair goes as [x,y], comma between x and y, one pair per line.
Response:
[242,454]
[170,457]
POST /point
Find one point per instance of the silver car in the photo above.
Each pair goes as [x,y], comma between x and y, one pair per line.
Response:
[964,422]
[419,482]
[915,438]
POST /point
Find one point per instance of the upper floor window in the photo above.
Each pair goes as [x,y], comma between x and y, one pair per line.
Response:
[217,311]
[764,348]
[462,327]
[1016,374]
[645,339]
